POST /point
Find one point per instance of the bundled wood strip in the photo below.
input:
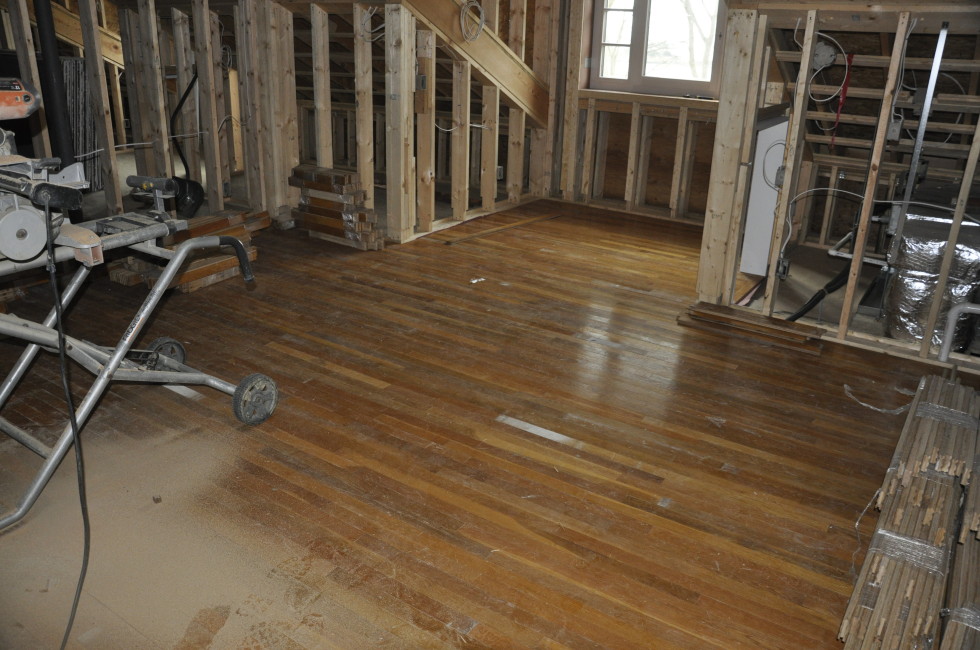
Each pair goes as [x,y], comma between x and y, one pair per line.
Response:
[900,591]
[332,208]
[962,630]
[202,268]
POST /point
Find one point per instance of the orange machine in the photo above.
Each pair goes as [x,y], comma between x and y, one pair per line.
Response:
[17,99]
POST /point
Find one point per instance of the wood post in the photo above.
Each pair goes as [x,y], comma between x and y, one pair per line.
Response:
[187,119]
[792,157]
[323,125]
[364,100]
[516,121]
[99,96]
[569,159]
[718,253]
[27,63]
[132,46]
[871,186]
[425,129]
[208,113]
[220,108]
[400,121]
[154,103]
[247,45]
[460,146]
[543,58]
[631,157]
[489,144]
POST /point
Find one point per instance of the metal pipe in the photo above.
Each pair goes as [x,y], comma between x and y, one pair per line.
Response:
[53,93]
[109,242]
[27,356]
[920,137]
[951,318]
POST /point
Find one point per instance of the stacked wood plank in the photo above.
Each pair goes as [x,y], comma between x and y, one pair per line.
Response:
[332,208]
[754,326]
[202,268]
[900,591]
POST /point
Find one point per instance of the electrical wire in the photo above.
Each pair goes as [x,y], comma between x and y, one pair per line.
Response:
[73,423]
[847,66]
[860,197]
[765,159]
[471,34]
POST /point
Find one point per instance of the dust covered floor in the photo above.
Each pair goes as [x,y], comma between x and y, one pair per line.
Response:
[508,442]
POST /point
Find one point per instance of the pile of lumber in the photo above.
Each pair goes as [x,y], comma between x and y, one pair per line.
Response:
[900,592]
[332,208]
[752,325]
[202,268]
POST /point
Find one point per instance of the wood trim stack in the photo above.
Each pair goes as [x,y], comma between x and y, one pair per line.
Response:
[962,630]
[332,208]
[754,326]
[900,591]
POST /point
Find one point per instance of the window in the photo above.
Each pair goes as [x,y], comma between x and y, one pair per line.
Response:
[663,47]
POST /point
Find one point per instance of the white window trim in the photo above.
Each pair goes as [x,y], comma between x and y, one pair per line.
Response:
[639,84]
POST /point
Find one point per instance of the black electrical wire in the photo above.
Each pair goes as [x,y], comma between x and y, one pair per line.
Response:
[835,283]
[76,439]
[173,120]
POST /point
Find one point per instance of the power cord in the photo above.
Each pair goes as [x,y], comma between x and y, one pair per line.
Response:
[76,439]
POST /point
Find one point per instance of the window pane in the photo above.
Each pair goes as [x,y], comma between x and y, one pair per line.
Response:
[681,39]
[618,28]
[615,62]
[619,4]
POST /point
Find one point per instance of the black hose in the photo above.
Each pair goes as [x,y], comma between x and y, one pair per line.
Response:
[835,283]
[173,121]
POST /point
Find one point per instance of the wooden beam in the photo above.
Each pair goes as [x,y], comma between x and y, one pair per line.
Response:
[489,57]
[460,146]
[491,14]
[220,105]
[631,158]
[645,137]
[588,151]
[425,129]
[544,58]
[741,48]
[489,146]
[287,110]
[871,187]
[516,133]
[116,101]
[517,26]
[939,295]
[323,126]
[678,182]
[365,103]
[99,96]
[27,63]
[569,157]
[203,43]
[187,119]
[400,122]
[246,43]
[152,87]
[68,28]
[129,29]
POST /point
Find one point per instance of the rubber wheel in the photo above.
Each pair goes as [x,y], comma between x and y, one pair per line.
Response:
[255,399]
[168,347]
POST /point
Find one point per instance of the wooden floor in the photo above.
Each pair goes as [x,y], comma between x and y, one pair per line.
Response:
[508,442]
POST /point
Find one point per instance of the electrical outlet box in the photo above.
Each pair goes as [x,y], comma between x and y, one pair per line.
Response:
[895,129]
[780,175]
[782,268]
[500,172]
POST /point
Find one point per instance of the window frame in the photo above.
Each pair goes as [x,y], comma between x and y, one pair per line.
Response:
[636,81]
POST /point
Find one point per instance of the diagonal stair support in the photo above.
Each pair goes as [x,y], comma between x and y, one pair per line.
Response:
[491,58]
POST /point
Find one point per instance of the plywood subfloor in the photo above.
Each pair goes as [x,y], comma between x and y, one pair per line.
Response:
[508,442]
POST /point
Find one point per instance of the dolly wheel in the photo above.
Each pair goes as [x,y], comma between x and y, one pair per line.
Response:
[255,399]
[168,347]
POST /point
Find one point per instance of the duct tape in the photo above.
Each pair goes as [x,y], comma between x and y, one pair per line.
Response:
[908,549]
[948,415]
[966,616]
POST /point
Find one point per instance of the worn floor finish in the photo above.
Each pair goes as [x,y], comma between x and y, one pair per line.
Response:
[508,442]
